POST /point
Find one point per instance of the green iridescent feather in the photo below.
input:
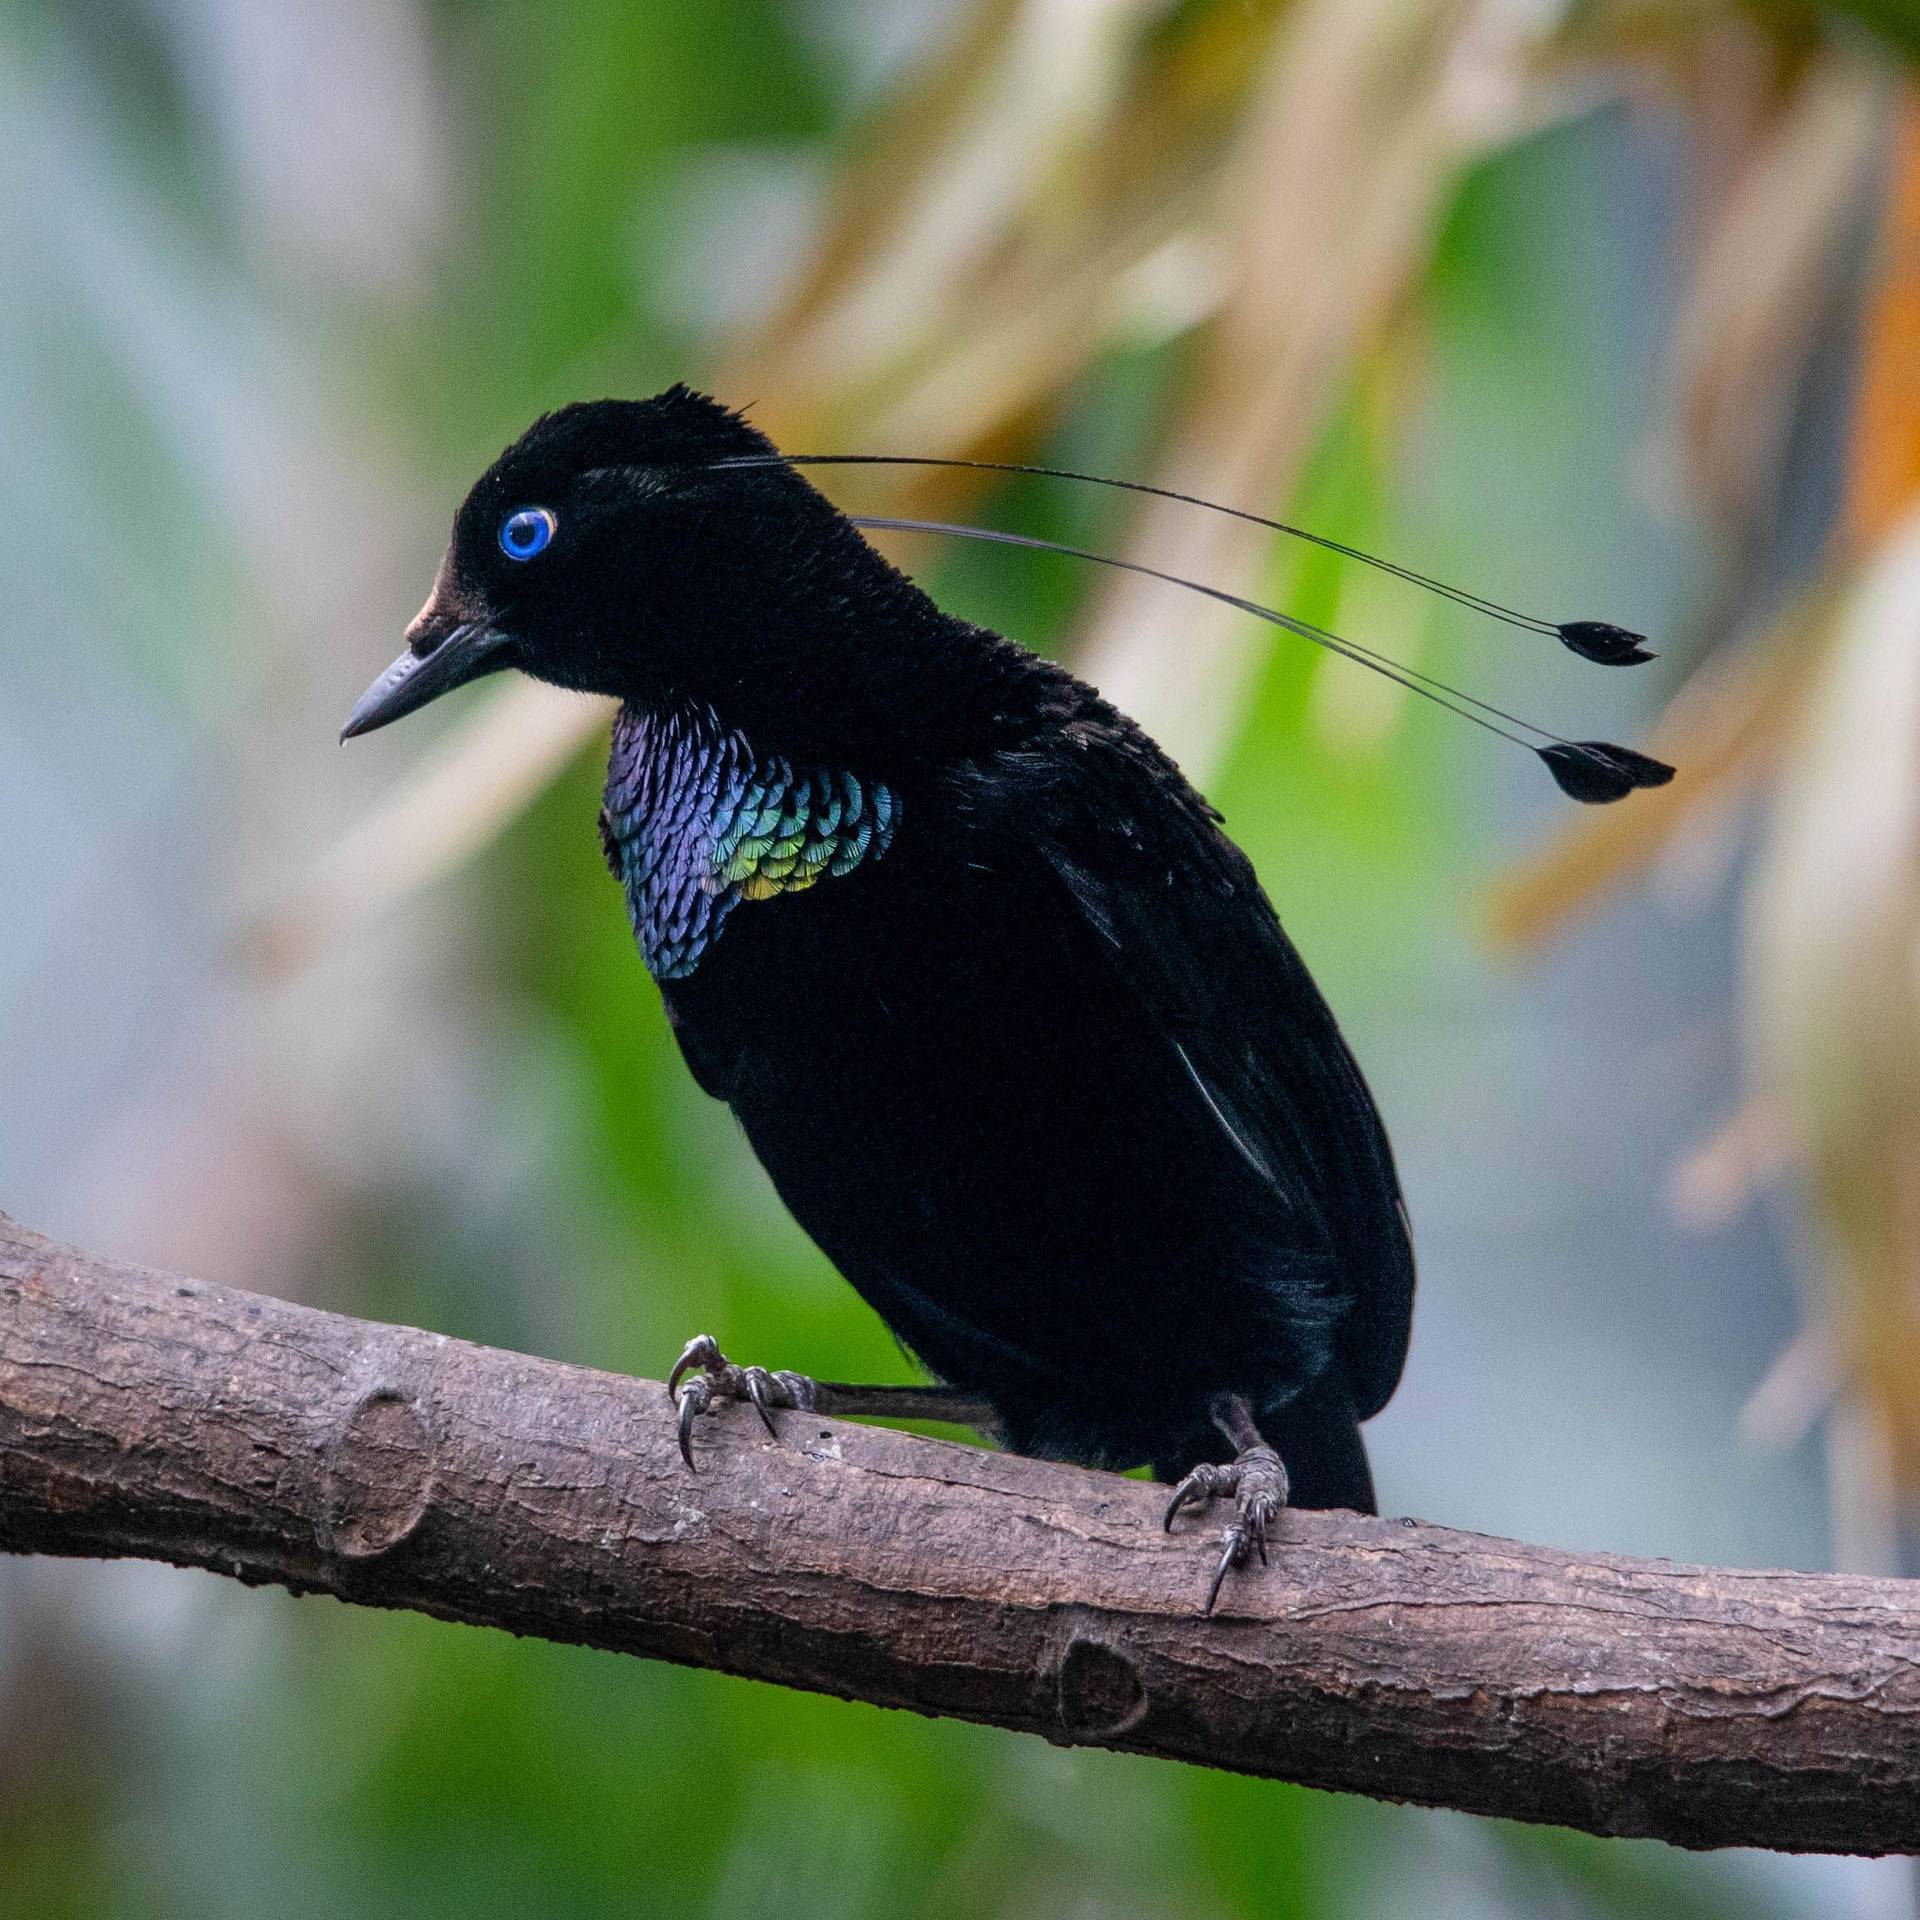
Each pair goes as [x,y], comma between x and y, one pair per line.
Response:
[791,830]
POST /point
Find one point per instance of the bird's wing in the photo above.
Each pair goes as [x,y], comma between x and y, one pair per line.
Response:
[1183,921]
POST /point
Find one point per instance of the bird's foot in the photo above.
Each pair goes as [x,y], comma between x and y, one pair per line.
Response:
[715,1377]
[1257,1484]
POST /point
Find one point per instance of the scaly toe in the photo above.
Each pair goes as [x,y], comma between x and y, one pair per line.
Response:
[1262,1495]
[1204,1484]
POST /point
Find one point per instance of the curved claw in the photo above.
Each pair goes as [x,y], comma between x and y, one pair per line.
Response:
[1231,1556]
[1182,1494]
[1200,1486]
[693,1403]
[703,1350]
[760,1392]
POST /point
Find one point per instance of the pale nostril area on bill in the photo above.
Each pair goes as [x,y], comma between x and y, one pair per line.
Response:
[437,622]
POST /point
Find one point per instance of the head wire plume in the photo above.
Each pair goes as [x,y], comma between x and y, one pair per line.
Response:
[1600,641]
[1593,771]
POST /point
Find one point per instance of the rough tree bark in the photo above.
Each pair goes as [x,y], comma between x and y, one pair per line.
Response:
[143,1414]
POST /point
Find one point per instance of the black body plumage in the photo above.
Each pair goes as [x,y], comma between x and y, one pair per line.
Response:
[1003,1012]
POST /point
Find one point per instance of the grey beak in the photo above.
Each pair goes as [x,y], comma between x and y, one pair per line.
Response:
[468,651]
[446,647]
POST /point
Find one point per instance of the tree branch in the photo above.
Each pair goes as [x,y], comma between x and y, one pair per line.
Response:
[168,1419]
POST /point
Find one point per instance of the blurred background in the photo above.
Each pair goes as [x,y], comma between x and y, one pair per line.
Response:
[1605,310]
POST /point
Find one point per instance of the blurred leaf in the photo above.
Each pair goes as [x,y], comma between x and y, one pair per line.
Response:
[1834,963]
[1724,731]
[1897,20]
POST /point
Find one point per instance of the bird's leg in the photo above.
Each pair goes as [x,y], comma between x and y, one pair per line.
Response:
[715,1377]
[1254,1477]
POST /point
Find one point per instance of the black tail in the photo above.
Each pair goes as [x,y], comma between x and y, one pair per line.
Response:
[1318,1441]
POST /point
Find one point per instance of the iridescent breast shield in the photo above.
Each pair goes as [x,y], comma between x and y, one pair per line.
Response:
[696,821]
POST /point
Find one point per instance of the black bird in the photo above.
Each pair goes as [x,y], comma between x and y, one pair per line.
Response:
[1004,1013]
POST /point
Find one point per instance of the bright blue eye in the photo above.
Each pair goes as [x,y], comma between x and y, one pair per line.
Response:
[525,532]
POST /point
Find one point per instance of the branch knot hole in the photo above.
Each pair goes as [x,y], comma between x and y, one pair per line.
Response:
[1101,1696]
[379,1475]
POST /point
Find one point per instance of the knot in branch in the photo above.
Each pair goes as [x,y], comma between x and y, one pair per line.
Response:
[379,1475]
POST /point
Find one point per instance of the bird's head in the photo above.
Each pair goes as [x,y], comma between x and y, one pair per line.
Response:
[612,549]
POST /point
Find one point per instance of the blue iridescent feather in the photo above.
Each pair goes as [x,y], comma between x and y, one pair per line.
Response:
[696,821]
